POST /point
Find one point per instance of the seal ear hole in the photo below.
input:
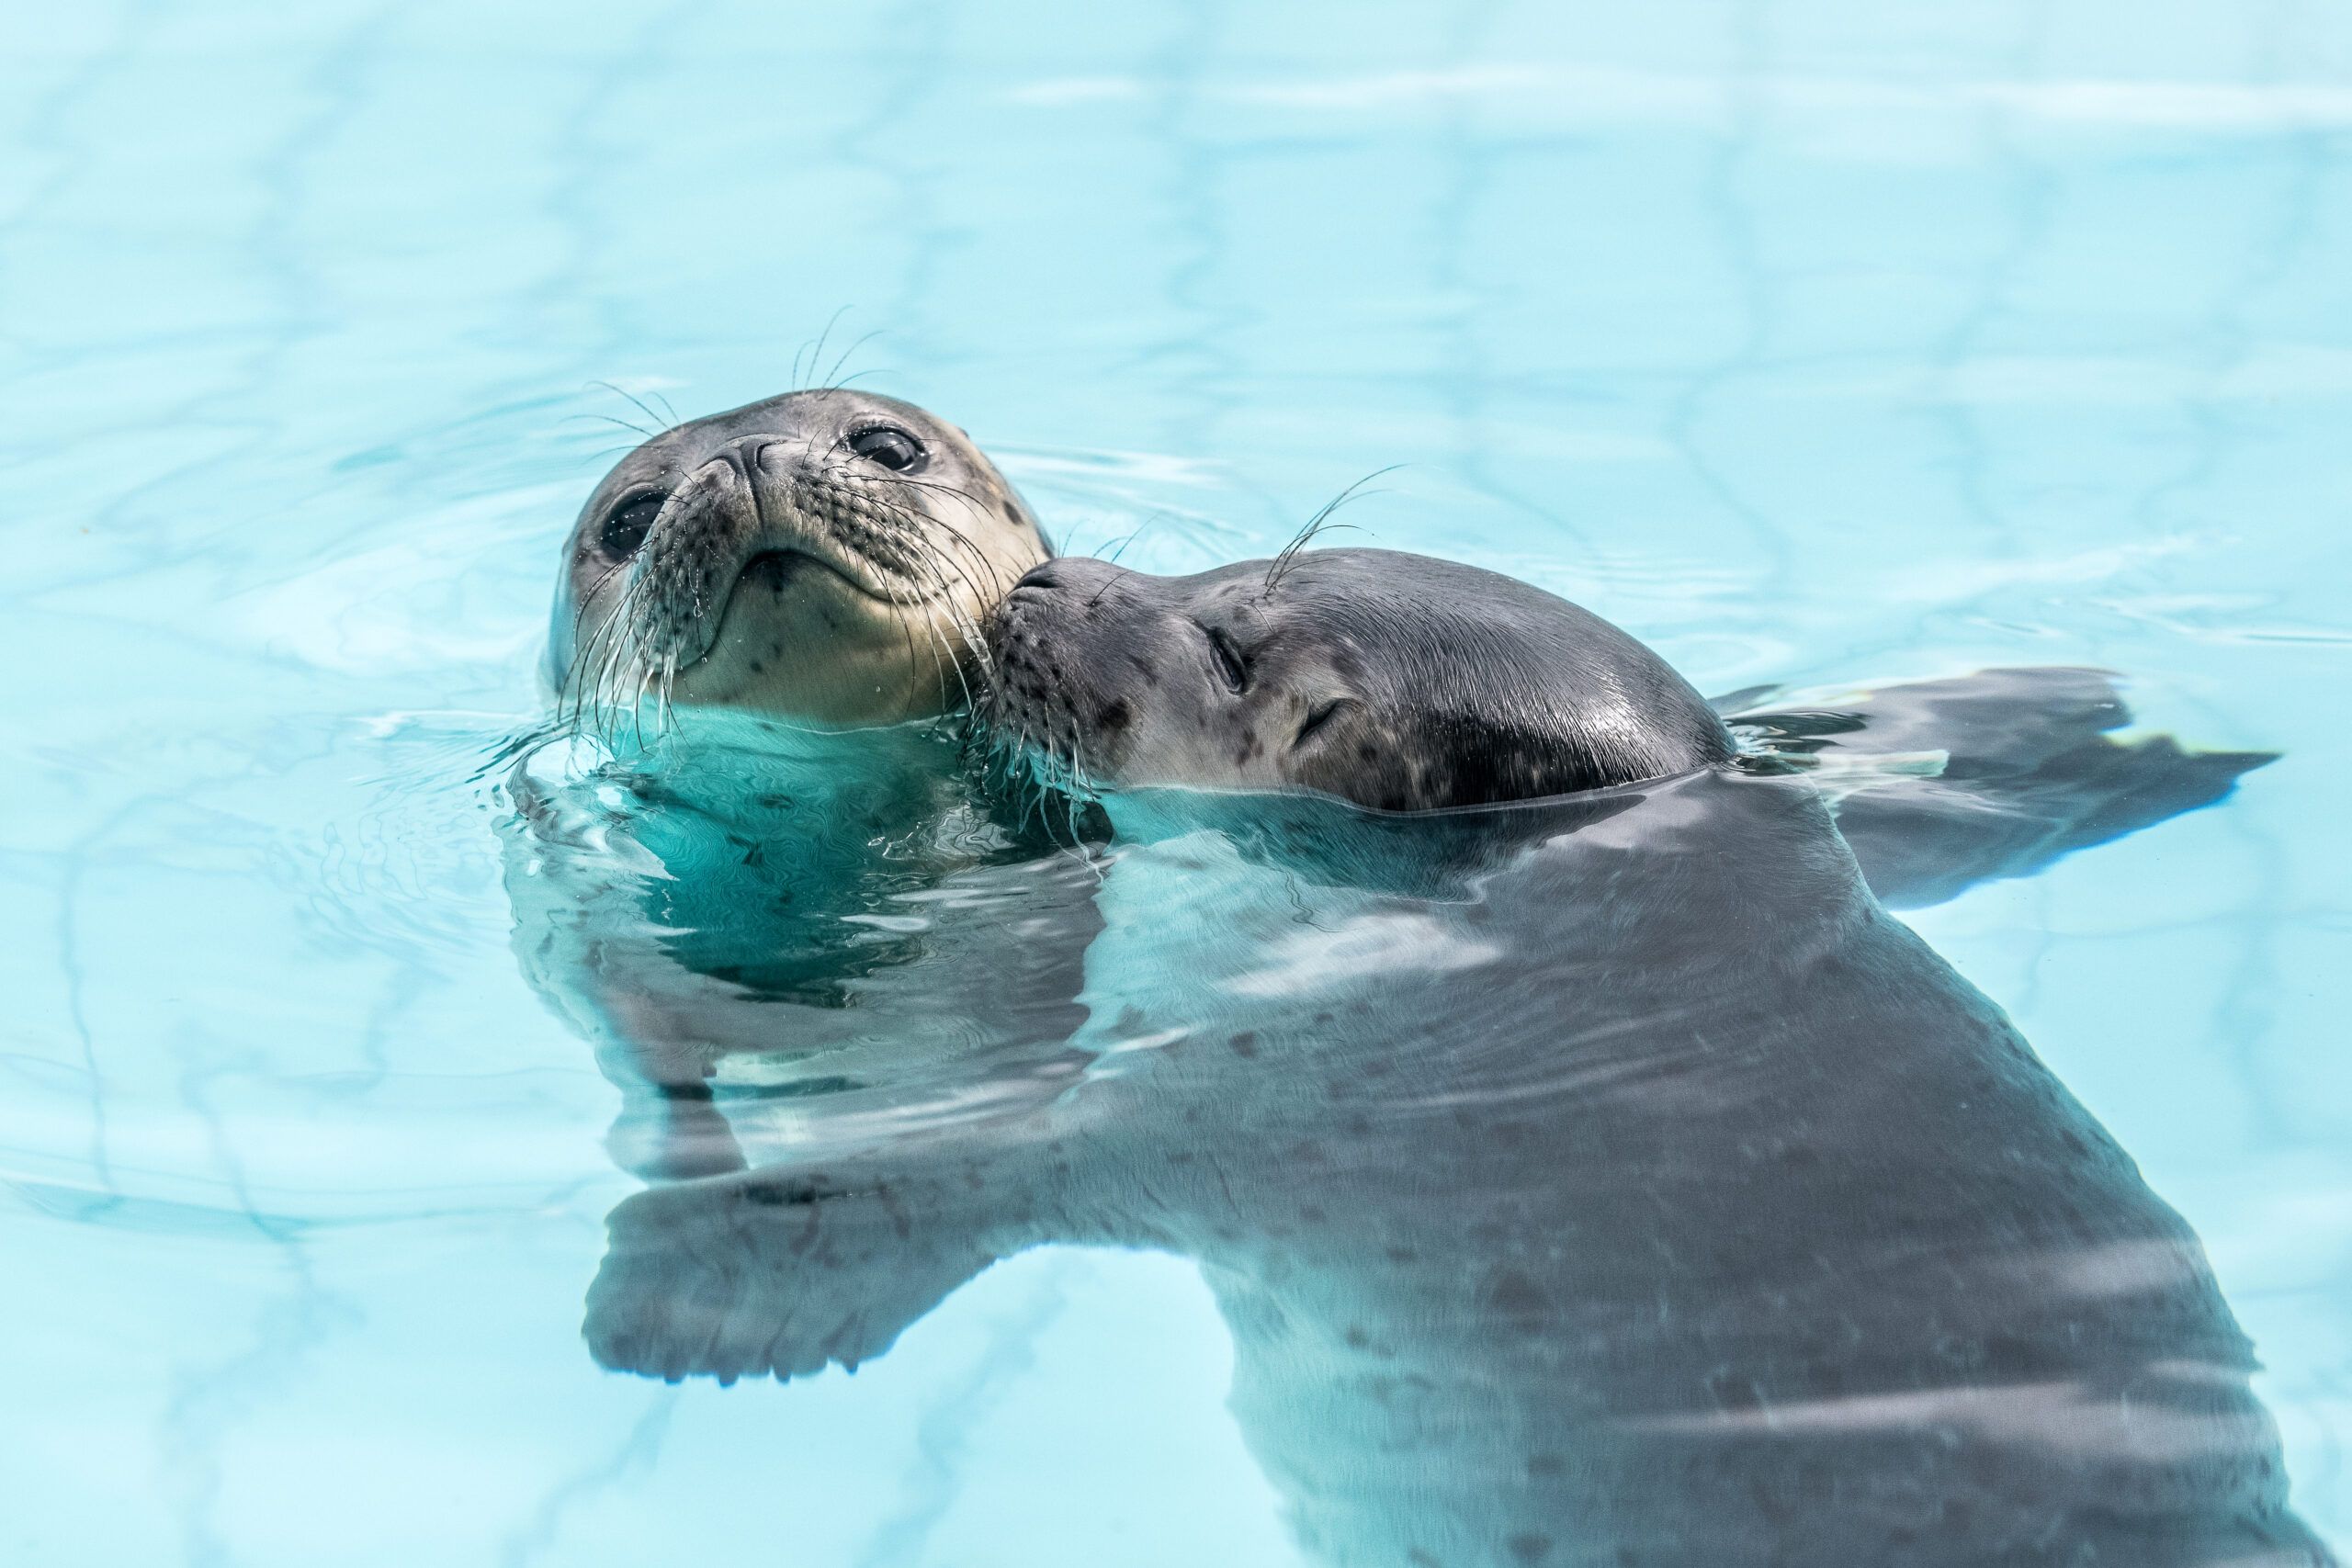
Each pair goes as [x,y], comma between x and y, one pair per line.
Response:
[625,530]
[1231,668]
[887,445]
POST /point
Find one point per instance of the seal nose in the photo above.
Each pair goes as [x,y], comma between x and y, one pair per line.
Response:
[745,451]
[1069,576]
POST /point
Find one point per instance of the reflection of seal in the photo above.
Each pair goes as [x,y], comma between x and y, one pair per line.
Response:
[824,556]
[1605,1180]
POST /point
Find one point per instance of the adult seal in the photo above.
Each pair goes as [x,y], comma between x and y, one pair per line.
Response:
[1595,1180]
[824,556]
[808,575]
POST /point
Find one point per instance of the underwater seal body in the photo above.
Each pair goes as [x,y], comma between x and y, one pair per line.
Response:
[825,555]
[1605,1180]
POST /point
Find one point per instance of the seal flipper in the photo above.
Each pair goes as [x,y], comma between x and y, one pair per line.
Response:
[795,1268]
[771,1273]
[2029,774]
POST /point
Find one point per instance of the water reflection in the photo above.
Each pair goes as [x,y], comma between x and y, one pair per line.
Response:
[1608,1180]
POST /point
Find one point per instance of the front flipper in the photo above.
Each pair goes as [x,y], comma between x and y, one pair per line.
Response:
[781,1271]
[2027,773]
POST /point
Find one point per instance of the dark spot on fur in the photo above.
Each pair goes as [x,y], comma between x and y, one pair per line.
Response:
[1245,1043]
[771,1193]
[1530,1549]
[1113,715]
[1513,1294]
[1547,1464]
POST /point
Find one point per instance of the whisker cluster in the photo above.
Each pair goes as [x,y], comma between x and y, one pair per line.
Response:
[1287,560]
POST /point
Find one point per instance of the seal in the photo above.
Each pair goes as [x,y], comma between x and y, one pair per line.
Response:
[1262,675]
[1403,683]
[1597,1179]
[825,557]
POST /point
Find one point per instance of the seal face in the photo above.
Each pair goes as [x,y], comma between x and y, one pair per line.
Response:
[825,555]
[1398,682]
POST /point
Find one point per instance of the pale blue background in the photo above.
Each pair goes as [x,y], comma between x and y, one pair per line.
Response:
[1815,341]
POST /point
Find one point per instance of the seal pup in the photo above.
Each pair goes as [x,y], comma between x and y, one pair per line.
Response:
[1605,1179]
[1258,676]
[825,557]
[806,575]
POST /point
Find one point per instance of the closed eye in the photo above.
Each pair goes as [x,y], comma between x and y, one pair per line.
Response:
[1322,715]
[1230,666]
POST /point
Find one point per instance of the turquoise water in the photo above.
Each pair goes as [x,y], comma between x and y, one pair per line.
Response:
[1813,344]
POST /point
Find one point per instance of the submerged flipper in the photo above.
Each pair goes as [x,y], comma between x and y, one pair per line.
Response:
[772,1273]
[1946,783]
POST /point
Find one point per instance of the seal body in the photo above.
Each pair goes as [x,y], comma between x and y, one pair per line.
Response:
[824,556]
[1597,1179]
[1635,1191]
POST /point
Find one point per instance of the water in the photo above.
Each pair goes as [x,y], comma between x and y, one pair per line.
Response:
[1813,344]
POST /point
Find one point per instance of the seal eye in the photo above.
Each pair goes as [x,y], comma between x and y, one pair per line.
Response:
[1323,715]
[888,445]
[1230,667]
[625,529]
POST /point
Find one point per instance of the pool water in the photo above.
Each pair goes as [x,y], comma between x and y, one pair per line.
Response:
[1815,344]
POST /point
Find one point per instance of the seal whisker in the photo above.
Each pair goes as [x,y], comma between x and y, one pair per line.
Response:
[964,628]
[581,650]
[931,641]
[832,382]
[816,351]
[633,428]
[622,654]
[640,403]
[593,662]
[998,584]
[1320,523]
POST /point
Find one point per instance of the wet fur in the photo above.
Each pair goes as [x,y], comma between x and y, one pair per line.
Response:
[1448,685]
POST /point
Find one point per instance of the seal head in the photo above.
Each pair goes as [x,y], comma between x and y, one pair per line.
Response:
[1398,681]
[825,557]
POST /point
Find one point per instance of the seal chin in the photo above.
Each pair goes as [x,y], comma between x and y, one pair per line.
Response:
[797,634]
[776,572]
